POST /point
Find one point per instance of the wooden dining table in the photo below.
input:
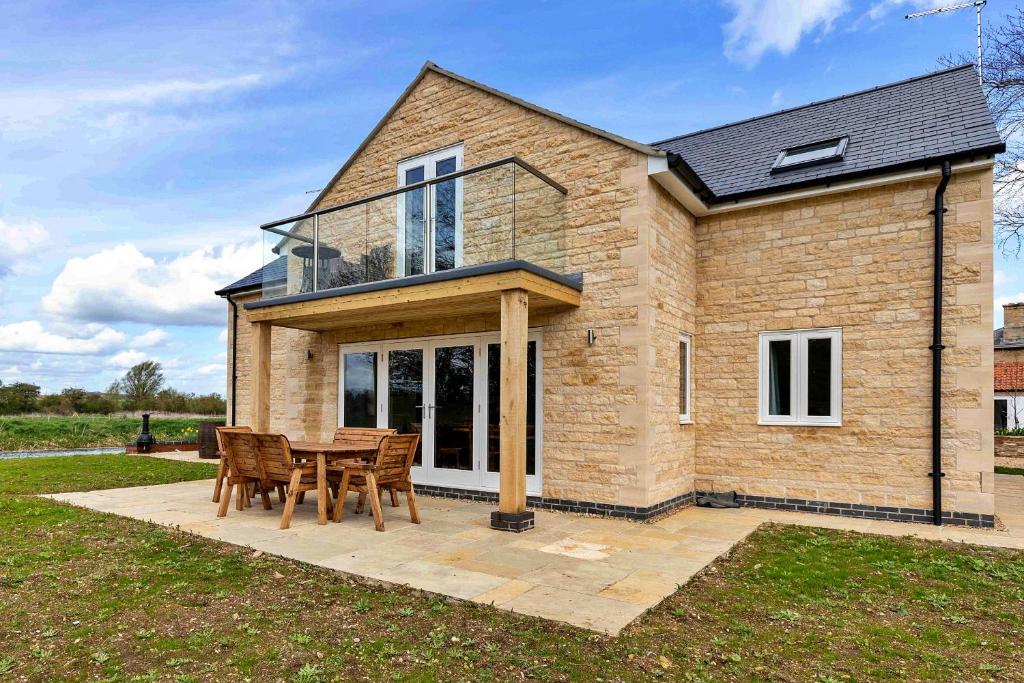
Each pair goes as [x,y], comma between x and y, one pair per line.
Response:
[325,453]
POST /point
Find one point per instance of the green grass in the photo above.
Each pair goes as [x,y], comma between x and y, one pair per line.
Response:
[90,472]
[1009,470]
[34,433]
[88,596]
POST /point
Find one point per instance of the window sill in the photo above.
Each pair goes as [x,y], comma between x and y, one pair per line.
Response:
[685,421]
[794,423]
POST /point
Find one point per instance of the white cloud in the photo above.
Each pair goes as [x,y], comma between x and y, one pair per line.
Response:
[761,26]
[126,359]
[30,336]
[1002,278]
[10,371]
[176,90]
[222,336]
[20,244]
[150,338]
[123,284]
[777,98]
[882,8]
[211,369]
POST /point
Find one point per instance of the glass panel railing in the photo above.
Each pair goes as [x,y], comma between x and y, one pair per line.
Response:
[494,212]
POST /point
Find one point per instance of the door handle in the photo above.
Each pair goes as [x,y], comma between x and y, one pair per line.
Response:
[429,407]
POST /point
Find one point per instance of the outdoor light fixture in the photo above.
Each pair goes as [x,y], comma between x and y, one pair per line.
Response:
[591,337]
[309,354]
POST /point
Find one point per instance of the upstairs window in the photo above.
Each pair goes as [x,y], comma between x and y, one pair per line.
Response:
[809,155]
[801,379]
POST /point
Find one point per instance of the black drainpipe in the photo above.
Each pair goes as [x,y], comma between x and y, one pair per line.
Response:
[234,354]
[936,348]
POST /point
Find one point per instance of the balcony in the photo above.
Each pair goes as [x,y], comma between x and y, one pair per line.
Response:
[496,212]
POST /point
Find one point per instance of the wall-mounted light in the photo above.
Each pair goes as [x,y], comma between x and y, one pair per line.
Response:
[591,337]
[309,354]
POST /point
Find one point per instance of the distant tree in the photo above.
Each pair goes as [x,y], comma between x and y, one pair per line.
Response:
[17,398]
[142,382]
[1003,84]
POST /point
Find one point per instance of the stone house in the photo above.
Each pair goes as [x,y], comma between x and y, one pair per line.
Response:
[578,321]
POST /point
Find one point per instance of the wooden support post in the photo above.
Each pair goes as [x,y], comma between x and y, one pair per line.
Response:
[260,399]
[512,514]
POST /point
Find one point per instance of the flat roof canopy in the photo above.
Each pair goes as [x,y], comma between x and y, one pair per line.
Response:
[461,291]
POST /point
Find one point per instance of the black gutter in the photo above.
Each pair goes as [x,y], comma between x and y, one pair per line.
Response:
[234,354]
[713,200]
[936,348]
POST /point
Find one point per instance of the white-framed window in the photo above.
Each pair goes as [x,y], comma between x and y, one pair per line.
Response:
[685,381]
[801,377]
[430,218]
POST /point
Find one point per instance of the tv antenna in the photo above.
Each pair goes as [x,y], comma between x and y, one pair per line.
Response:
[977,5]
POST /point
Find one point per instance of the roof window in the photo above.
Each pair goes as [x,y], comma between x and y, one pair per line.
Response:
[809,155]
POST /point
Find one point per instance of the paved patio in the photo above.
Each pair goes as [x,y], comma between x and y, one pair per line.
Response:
[595,573]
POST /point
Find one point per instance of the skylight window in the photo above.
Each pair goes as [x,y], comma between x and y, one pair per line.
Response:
[808,155]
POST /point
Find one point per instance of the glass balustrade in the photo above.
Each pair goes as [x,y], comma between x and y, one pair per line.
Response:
[493,212]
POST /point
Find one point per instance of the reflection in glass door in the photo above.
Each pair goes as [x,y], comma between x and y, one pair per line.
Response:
[359,388]
[453,407]
[405,407]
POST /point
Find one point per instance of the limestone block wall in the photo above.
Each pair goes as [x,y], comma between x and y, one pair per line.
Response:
[861,261]
[595,434]
[1009,451]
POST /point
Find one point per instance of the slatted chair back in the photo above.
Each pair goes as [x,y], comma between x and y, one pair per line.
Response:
[366,437]
[394,459]
[275,456]
[224,430]
[240,450]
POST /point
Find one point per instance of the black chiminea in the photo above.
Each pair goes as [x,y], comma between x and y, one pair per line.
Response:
[144,441]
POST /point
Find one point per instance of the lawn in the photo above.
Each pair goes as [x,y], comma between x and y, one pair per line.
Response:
[87,596]
[46,432]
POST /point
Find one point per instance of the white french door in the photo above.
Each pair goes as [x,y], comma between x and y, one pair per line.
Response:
[445,389]
[430,218]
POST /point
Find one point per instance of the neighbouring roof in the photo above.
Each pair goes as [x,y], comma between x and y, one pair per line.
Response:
[275,271]
[910,123]
[1009,376]
[1000,343]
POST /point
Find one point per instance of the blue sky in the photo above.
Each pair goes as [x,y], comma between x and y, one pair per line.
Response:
[143,143]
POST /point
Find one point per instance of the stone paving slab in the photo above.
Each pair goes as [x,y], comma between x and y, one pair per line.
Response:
[594,573]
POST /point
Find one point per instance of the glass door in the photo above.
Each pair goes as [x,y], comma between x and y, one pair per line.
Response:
[358,395]
[430,217]
[405,408]
[492,446]
[447,390]
[452,413]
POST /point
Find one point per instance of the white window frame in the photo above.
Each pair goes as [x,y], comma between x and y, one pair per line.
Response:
[429,161]
[685,418]
[798,378]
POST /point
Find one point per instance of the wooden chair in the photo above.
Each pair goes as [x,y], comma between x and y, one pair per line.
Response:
[369,437]
[243,468]
[222,467]
[390,471]
[275,458]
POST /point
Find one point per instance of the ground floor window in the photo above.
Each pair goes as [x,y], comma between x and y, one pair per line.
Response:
[685,346]
[1002,413]
[801,377]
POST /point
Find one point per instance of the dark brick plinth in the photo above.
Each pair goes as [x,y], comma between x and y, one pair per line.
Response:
[517,521]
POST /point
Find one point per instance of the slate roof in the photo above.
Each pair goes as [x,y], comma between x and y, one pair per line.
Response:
[273,271]
[903,124]
[997,340]
[907,124]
